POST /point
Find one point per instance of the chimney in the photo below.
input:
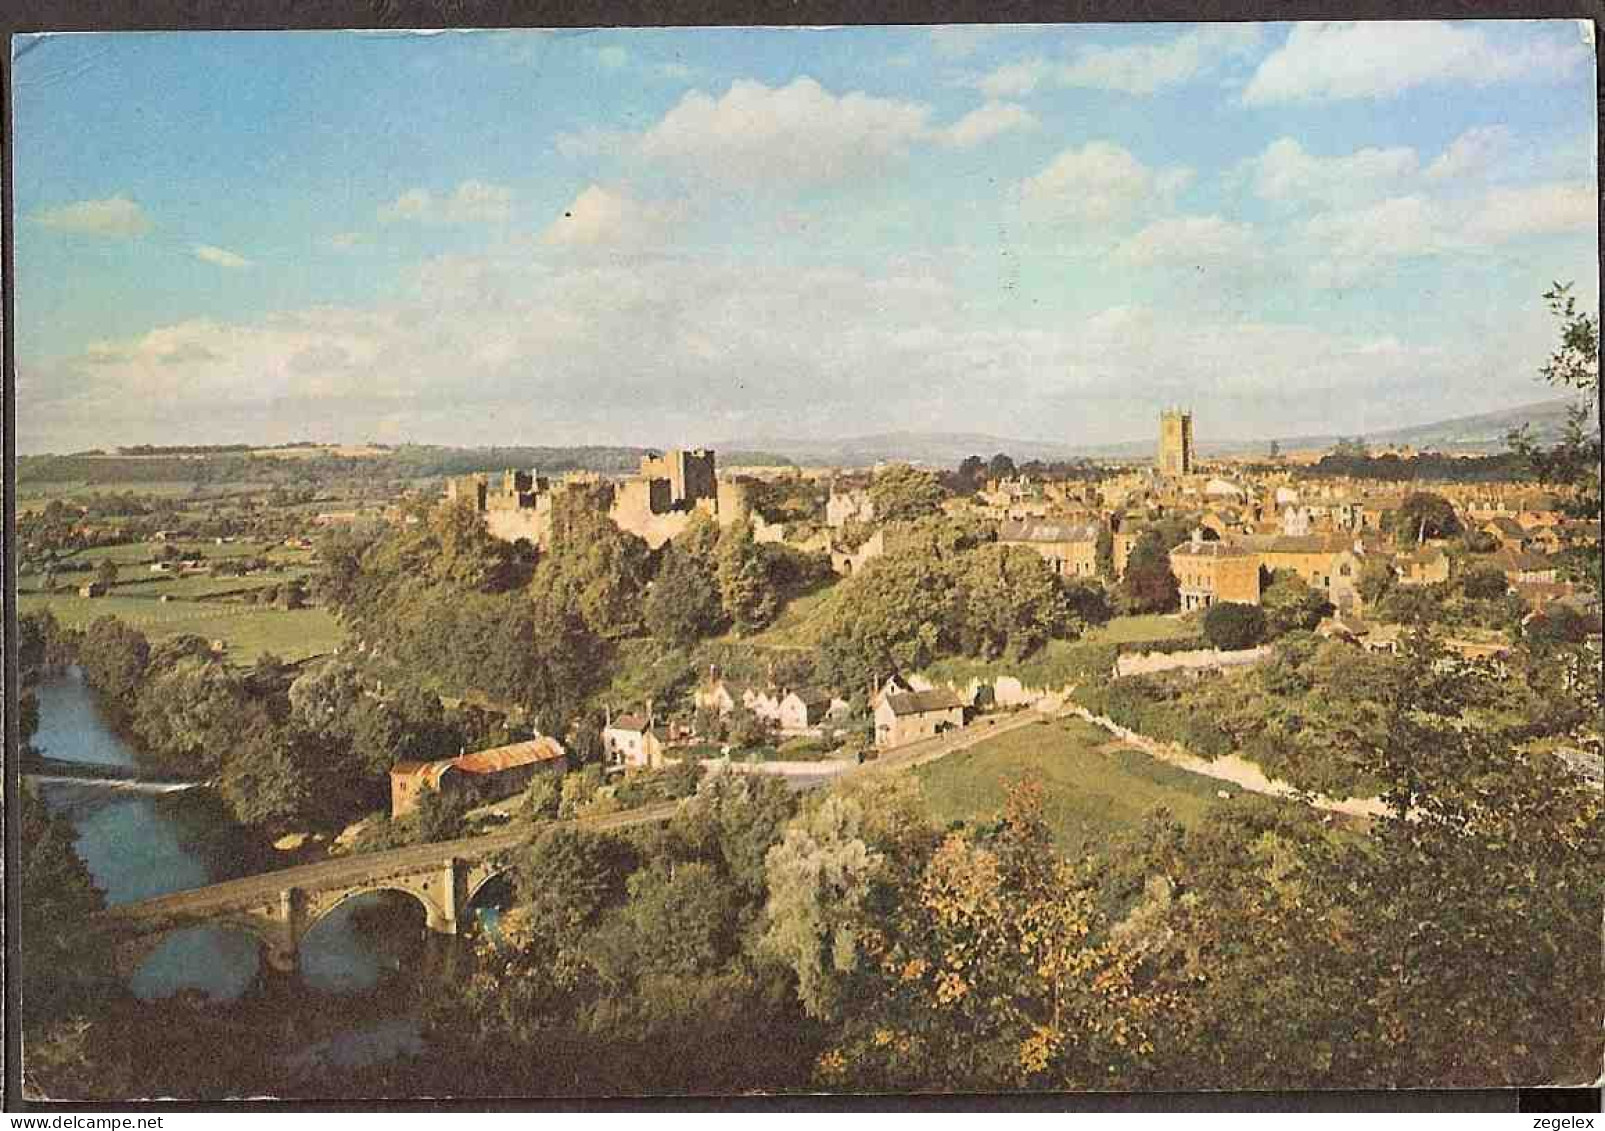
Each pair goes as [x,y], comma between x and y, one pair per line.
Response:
[1198,536]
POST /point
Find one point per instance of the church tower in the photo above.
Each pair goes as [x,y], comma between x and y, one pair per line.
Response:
[1175,442]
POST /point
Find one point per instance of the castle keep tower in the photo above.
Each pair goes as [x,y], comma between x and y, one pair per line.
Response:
[1175,442]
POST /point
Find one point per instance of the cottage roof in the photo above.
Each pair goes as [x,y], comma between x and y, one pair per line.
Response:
[1507,526]
[636,723]
[920,702]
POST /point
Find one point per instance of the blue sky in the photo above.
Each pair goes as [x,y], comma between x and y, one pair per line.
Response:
[679,236]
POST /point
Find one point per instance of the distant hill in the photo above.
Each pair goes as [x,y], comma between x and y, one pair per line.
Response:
[938,449]
[1484,432]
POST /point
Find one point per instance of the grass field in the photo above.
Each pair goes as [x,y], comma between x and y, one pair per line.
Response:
[1135,629]
[291,634]
[1089,795]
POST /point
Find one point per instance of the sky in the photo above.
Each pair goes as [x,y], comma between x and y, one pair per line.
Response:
[696,236]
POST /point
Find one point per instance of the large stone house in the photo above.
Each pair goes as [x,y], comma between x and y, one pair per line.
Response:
[1071,548]
[1208,572]
[1328,563]
[908,716]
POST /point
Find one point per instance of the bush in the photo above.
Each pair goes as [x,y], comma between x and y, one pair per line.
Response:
[1231,626]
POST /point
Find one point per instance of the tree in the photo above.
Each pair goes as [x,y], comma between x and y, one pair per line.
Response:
[187,712]
[113,657]
[58,897]
[683,604]
[1001,466]
[901,493]
[1422,515]
[1232,626]
[106,572]
[745,589]
[595,569]
[1377,580]
[1484,583]
[1290,605]
[1009,602]
[970,476]
[271,772]
[325,699]
[1573,462]
[992,970]
[1087,601]
[1105,552]
[1149,586]
[819,878]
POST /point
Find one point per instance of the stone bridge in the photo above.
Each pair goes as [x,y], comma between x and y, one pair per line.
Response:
[279,908]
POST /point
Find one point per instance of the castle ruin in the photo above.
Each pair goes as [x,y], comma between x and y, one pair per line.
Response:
[655,504]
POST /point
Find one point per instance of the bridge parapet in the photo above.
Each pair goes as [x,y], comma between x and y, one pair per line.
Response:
[279,908]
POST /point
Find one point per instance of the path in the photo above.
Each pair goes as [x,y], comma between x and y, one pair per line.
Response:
[1231,768]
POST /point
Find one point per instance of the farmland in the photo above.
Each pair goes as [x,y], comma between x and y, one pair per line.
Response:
[246,630]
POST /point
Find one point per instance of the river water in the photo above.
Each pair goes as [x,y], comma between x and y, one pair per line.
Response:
[139,843]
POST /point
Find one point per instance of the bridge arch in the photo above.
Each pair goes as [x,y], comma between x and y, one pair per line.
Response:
[320,908]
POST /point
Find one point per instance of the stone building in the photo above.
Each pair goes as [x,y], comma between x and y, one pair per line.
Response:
[1208,572]
[497,772]
[903,717]
[1329,563]
[634,741]
[1175,443]
[1071,548]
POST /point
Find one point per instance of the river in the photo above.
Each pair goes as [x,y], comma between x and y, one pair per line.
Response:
[138,843]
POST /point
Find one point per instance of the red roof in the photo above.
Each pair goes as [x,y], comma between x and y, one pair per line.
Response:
[510,757]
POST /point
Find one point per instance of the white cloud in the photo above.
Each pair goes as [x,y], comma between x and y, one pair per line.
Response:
[1136,68]
[1535,210]
[601,216]
[1145,68]
[1287,174]
[345,241]
[479,201]
[612,57]
[1012,80]
[801,133]
[1207,242]
[472,201]
[686,350]
[1343,247]
[1385,58]
[116,217]
[220,256]
[986,122]
[960,41]
[1472,153]
[593,141]
[1100,183]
